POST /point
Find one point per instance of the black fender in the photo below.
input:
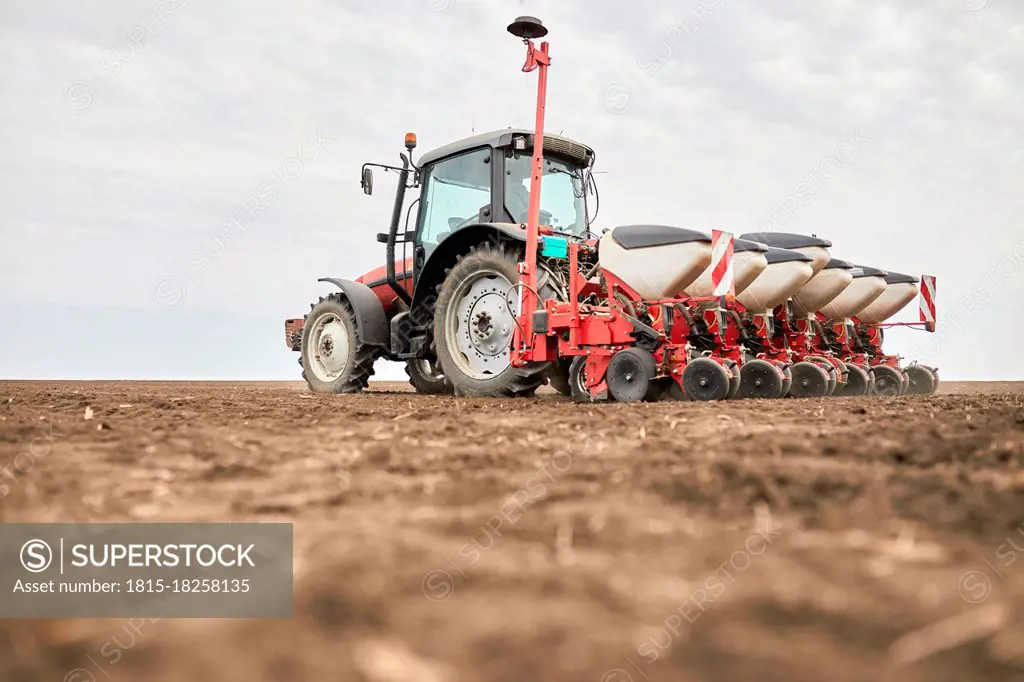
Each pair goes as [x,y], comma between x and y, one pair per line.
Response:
[371,322]
[456,244]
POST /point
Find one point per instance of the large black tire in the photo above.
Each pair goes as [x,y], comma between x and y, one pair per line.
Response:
[337,348]
[426,377]
[509,381]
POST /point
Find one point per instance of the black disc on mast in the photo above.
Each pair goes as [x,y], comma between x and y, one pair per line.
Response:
[527,28]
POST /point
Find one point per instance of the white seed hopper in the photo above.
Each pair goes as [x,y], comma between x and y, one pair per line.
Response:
[656,261]
[814,247]
[900,290]
[823,287]
[786,273]
[867,285]
[831,276]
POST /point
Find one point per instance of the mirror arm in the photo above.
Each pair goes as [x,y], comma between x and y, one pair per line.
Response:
[386,167]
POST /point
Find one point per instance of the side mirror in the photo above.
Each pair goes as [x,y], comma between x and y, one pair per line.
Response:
[367,181]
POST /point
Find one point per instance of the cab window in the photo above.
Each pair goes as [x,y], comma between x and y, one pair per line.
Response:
[456,192]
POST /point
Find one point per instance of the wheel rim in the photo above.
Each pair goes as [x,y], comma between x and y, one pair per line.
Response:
[328,348]
[479,324]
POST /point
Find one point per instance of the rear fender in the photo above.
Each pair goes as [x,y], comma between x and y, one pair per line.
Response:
[454,245]
[371,322]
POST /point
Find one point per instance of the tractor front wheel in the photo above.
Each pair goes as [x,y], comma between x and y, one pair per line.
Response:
[333,358]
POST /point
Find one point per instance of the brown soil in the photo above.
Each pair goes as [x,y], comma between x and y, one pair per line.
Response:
[443,539]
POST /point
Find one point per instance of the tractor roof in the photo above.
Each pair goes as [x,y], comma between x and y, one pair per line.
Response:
[555,144]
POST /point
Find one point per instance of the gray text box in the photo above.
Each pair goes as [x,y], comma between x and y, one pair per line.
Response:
[146,570]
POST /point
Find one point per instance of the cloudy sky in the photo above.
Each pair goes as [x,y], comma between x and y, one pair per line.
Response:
[178,173]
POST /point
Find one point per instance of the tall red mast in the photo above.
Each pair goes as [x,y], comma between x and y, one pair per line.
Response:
[530,28]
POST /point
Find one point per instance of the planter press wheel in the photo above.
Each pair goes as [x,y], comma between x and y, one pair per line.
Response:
[888,380]
[857,381]
[577,382]
[922,381]
[735,379]
[630,375]
[705,379]
[760,379]
[810,380]
[787,382]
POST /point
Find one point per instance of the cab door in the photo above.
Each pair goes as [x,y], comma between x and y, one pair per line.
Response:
[456,191]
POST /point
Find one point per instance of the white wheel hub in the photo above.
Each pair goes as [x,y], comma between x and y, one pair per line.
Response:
[481,324]
[328,348]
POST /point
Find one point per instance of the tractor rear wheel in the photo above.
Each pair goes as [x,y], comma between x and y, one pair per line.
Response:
[474,322]
[333,358]
[922,381]
[426,377]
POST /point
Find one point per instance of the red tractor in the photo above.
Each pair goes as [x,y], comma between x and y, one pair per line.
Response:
[451,291]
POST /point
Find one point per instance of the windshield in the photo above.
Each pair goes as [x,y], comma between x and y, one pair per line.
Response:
[562,203]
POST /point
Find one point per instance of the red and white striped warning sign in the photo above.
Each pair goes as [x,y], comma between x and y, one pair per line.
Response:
[722,278]
[927,300]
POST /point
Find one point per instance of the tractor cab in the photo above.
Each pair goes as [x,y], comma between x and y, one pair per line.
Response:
[475,187]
